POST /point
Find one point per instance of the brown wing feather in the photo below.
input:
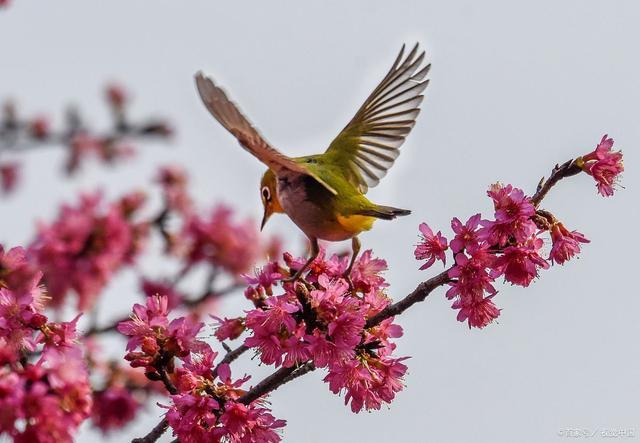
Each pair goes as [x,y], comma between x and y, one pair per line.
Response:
[230,116]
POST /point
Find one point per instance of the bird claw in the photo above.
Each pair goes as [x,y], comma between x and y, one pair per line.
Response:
[347,277]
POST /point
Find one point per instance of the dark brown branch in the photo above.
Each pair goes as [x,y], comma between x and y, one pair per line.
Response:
[419,294]
[229,357]
[164,377]
[275,380]
[155,433]
[567,169]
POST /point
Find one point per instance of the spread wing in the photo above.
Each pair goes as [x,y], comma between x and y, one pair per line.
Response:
[229,116]
[369,145]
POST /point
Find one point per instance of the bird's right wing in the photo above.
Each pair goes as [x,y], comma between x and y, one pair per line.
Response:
[369,145]
[229,116]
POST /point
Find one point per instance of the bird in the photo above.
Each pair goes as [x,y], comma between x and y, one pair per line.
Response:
[325,194]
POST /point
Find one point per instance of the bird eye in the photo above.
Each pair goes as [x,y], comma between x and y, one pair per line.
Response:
[266,194]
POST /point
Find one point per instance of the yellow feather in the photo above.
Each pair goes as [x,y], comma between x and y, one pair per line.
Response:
[356,223]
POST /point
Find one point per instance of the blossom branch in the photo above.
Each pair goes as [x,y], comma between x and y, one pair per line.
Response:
[154,434]
[567,169]
[419,294]
[275,380]
[230,357]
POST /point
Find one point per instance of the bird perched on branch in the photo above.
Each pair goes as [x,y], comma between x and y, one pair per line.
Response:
[324,194]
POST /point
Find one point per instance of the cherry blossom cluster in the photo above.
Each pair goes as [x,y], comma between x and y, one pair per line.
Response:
[510,245]
[44,381]
[205,401]
[19,134]
[322,319]
[87,245]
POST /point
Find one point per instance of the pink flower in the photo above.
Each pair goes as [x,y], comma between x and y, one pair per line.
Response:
[19,275]
[565,244]
[466,235]
[39,127]
[84,248]
[432,247]
[51,398]
[478,310]
[513,216]
[274,329]
[229,328]
[193,417]
[367,381]
[366,274]
[472,280]
[173,180]
[266,277]
[604,165]
[250,424]
[335,266]
[235,247]
[149,329]
[144,319]
[116,95]
[113,408]
[519,264]
[470,274]
[9,175]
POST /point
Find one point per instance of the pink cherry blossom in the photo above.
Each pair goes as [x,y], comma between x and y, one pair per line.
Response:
[9,176]
[565,244]
[513,212]
[84,248]
[519,264]
[150,330]
[604,165]
[432,247]
[229,328]
[116,95]
[471,276]
[269,275]
[221,241]
[39,127]
[466,234]
[366,274]
[250,424]
[479,311]
[367,382]
[113,408]
[173,180]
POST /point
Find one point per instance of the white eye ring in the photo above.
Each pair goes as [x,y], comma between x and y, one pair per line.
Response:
[266,194]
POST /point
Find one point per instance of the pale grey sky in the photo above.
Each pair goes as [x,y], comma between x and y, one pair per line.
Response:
[515,88]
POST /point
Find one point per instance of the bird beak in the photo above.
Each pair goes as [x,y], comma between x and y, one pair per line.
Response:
[265,217]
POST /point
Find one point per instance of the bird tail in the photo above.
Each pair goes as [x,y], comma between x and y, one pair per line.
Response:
[384,212]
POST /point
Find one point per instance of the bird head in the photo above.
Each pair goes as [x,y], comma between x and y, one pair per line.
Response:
[269,196]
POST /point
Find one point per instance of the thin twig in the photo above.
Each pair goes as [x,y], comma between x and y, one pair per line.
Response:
[419,294]
[229,357]
[154,434]
[567,169]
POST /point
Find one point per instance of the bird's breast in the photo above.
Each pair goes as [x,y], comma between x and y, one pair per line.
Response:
[312,208]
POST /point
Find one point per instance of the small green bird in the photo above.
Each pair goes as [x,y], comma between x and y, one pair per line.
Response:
[324,194]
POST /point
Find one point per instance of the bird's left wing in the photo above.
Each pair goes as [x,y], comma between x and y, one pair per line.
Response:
[369,145]
[229,116]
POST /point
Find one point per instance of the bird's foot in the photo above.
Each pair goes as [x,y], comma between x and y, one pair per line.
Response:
[293,278]
[347,277]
